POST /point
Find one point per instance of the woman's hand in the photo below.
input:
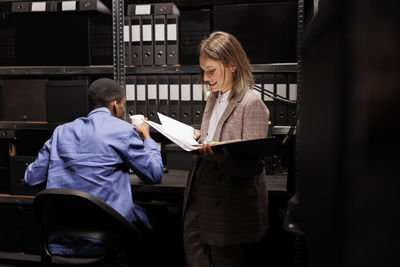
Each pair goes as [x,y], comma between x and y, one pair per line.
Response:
[196,134]
[207,153]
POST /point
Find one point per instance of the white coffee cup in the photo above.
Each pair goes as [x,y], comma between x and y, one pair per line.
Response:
[137,119]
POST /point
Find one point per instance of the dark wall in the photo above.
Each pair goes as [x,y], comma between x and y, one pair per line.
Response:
[347,149]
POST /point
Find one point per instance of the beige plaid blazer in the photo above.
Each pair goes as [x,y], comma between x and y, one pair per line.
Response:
[232,196]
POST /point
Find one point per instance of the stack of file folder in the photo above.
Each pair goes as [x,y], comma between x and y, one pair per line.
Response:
[59,6]
[151,35]
[181,97]
[177,96]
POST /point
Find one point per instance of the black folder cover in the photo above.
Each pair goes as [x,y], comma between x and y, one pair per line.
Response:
[281,108]
[252,148]
[186,99]
[152,109]
[66,100]
[141,95]
[268,85]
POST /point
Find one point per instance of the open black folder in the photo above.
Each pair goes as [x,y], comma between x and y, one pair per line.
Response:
[250,148]
[182,135]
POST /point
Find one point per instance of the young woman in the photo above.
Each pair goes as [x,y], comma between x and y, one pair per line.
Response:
[225,206]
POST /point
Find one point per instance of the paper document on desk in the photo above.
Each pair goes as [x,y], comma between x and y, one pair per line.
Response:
[176,131]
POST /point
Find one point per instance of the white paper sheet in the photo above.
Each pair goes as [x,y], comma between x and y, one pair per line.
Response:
[179,130]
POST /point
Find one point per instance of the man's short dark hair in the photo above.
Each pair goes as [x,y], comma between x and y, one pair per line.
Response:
[104,91]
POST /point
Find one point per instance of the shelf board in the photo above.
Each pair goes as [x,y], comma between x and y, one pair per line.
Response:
[19,256]
[276,67]
[108,70]
[57,70]
[28,125]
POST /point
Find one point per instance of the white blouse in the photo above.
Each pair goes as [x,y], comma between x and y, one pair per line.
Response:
[220,105]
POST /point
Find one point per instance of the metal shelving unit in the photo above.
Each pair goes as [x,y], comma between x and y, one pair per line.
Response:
[112,70]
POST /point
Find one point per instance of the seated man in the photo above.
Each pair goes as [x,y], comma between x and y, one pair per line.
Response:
[94,154]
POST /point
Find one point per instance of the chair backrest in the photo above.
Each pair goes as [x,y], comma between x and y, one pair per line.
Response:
[76,213]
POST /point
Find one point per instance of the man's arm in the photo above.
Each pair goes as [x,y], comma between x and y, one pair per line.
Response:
[144,157]
[36,173]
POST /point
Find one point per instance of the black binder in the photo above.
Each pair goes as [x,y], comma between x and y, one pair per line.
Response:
[21,7]
[66,100]
[130,95]
[152,108]
[197,99]
[160,40]
[163,95]
[147,39]
[186,99]
[174,104]
[281,108]
[136,38]
[141,98]
[268,81]
[127,40]
[172,40]
[293,97]
[258,81]
[165,9]
[93,5]
[23,100]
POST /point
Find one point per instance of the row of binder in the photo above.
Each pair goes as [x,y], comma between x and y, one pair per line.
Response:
[178,96]
[57,6]
[182,97]
[283,85]
[151,35]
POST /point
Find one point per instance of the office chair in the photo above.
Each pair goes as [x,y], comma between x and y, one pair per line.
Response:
[75,213]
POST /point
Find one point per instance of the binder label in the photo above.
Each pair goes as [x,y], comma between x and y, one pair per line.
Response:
[135,33]
[171,35]
[126,33]
[141,92]
[130,92]
[143,10]
[197,92]
[160,32]
[269,87]
[185,92]
[281,90]
[38,6]
[68,6]
[152,91]
[293,91]
[147,33]
[174,93]
[163,91]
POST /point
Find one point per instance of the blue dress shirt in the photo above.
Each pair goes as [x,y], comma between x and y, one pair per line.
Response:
[94,154]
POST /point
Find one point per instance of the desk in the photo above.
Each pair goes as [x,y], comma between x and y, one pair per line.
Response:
[174,182]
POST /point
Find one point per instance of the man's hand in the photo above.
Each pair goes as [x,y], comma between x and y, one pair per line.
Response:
[143,129]
[207,153]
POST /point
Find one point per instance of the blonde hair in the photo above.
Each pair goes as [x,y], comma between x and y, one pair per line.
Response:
[225,47]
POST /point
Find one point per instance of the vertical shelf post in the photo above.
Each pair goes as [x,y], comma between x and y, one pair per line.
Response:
[118,41]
